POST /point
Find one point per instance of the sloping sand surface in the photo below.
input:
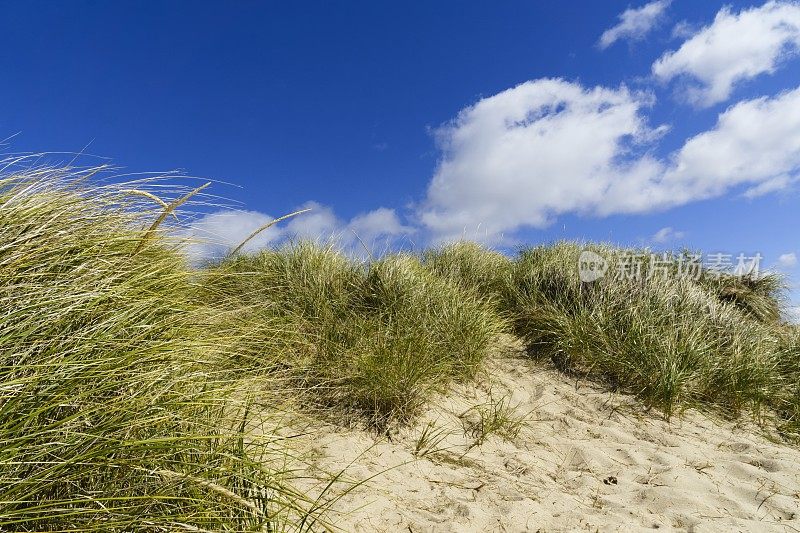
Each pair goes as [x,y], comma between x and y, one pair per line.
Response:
[584,459]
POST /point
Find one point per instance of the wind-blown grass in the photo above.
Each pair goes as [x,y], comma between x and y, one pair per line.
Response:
[110,417]
[788,404]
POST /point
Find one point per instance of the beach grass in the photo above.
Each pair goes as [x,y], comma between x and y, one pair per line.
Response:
[674,341]
[377,338]
[111,415]
[126,374]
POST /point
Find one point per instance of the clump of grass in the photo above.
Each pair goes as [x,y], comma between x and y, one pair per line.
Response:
[377,338]
[429,439]
[295,296]
[425,332]
[111,418]
[494,417]
[760,296]
[669,340]
[381,336]
[473,267]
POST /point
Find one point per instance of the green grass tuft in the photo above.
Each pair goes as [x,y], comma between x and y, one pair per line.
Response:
[474,268]
[377,338]
[674,342]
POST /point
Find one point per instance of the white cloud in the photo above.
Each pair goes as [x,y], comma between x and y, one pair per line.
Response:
[755,143]
[527,154]
[788,260]
[735,47]
[778,183]
[668,234]
[635,23]
[382,222]
[366,228]
[548,147]
[792,314]
[215,234]
[319,223]
[683,30]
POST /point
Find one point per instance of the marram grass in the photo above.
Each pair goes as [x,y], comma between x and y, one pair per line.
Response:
[675,342]
[121,403]
[474,268]
[110,417]
[375,339]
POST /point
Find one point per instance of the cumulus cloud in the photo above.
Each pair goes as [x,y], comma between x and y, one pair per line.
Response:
[319,223]
[548,147]
[668,234]
[529,153]
[635,23]
[755,143]
[374,225]
[792,315]
[734,48]
[213,235]
[788,260]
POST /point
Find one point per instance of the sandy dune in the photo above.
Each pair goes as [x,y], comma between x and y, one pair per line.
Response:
[584,459]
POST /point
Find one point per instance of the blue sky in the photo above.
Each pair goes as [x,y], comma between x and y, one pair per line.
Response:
[664,123]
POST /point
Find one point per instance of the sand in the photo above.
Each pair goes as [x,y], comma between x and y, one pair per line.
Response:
[583,459]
